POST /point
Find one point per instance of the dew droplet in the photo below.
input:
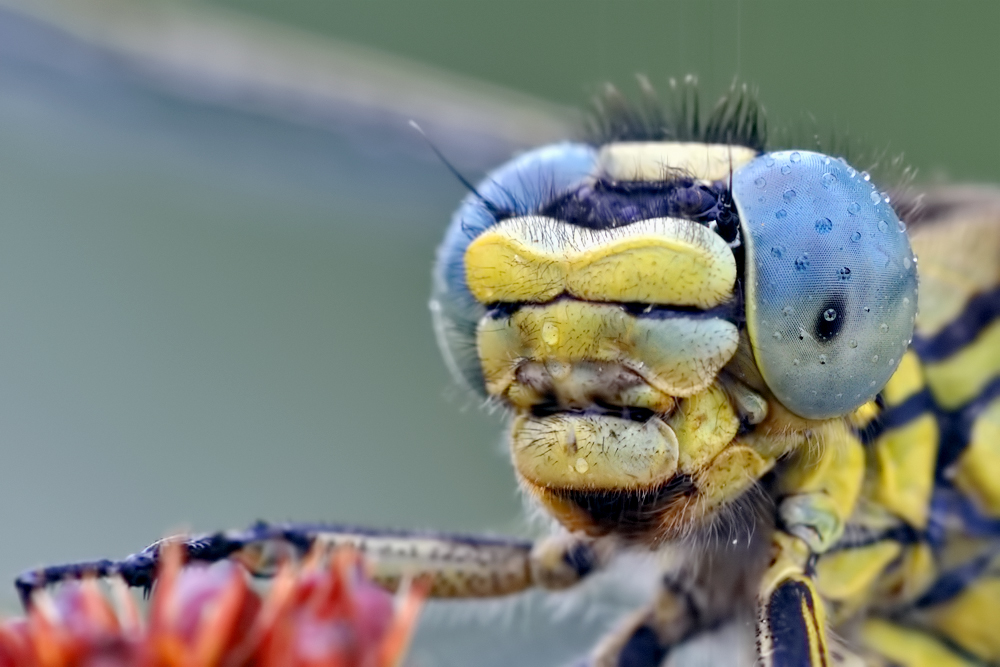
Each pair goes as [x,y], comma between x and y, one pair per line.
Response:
[883,226]
[892,362]
[780,213]
[550,333]
[906,301]
[854,208]
[760,182]
[787,310]
[795,362]
[778,251]
[795,157]
[581,465]
[902,226]
[852,343]
[826,160]
[844,273]
[851,171]
[768,160]
[830,314]
[874,197]
[824,225]
[875,359]
[884,328]
[786,170]
[802,262]
[788,195]
[822,359]
[907,263]
[827,179]
[856,236]
[777,335]
[865,175]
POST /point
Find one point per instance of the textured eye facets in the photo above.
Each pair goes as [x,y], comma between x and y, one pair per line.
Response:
[830,280]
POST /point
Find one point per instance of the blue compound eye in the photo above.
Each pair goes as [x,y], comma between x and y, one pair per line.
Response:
[831,282]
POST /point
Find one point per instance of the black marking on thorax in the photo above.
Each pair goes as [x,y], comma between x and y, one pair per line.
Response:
[981,311]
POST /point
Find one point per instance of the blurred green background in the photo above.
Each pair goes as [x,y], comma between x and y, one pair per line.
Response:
[213,293]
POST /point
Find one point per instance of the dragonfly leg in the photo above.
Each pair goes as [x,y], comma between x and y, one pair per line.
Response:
[452,565]
[647,636]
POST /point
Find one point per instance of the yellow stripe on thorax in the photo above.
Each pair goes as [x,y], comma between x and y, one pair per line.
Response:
[961,377]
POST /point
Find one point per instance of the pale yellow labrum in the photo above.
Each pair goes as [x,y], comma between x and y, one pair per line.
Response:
[657,261]
[651,161]
[568,451]
[678,356]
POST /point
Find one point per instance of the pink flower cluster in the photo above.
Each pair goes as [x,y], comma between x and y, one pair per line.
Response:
[321,613]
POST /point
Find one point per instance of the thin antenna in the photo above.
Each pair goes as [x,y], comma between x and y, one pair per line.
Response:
[490,206]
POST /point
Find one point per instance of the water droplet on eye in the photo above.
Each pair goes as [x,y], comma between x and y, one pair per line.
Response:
[778,251]
[550,334]
[802,262]
[781,213]
[906,301]
[851,171]
[884,328]
[883,226]
[892,362]
[824,225]
[826,160]
[795,362]
[830,314]
[787,310]
[777,335]
[581,465]
[867,309]
[884,196]
[907,262]
[854,208]
[827,179]
[786,170]
[865,175]
[769,161]
[853,343]
[795,157]
[902,226]
[856,236]
[760,182]
[872,383]
[788,195]
[844,273]
[875,197]
[875,359]
[822,359]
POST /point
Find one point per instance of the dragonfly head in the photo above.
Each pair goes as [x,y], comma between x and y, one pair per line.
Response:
[666,320]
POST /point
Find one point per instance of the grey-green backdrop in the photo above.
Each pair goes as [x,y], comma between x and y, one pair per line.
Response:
[210,315]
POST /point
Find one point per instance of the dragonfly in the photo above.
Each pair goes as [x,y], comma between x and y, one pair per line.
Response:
[792,398]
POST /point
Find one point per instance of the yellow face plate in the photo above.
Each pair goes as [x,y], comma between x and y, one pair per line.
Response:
[678,356]
[656,261]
